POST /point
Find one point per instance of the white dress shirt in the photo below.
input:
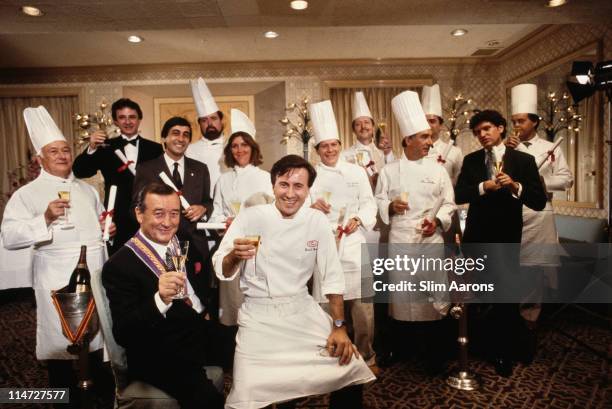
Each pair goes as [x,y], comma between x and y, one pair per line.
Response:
[181,165]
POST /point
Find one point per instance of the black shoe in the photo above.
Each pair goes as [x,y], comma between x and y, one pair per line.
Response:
[503,367]
[386,359]
[529,347]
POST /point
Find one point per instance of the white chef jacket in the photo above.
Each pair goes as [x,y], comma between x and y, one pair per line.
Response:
[56,251]
[371,153]
[539,226]
[350,189]
[425,181]
[211,154]
[282,330]
[290,251]
[453,160]
[238,184]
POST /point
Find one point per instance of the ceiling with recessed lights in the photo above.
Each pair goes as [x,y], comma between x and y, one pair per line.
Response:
[78,33]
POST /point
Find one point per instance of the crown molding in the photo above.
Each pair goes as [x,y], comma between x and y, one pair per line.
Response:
[36,75]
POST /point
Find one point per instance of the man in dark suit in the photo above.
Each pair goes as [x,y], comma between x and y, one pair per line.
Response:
[191,177]
[497,181]
[167,340]
[127,116]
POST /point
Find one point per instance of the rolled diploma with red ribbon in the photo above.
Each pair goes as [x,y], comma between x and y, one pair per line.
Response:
[124,160]
[449,145]
[550,152]
[112,194]
[167,181]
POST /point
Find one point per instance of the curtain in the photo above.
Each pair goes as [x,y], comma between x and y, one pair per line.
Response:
[14,139]
[379,102]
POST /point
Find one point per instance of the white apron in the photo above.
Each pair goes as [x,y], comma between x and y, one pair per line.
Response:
[424,181]
[290,334]
[52,270]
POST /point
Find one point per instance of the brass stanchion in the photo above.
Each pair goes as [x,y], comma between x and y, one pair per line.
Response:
[462,379]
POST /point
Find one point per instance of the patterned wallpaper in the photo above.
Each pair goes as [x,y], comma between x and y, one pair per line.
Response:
[482,82]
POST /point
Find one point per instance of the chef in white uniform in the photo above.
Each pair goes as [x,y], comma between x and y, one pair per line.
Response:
[287,347]
[445,153]
[209,148]
[364,151]
[245,184]
[343,193]
[539,237]
[34,216]
[408,190]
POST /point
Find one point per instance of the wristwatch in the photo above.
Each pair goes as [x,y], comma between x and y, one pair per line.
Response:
[339,323]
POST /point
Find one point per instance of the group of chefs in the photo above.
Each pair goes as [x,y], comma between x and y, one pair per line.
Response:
[275,278]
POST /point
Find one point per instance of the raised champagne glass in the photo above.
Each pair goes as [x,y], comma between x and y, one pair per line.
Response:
[255,240]
[65,195]
[235,206]
[178,258]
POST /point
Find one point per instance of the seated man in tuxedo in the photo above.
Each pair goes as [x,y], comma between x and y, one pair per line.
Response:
[192,178]
[497,181]
[167,341]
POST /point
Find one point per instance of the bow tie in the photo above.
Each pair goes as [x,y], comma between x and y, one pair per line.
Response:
[133,141]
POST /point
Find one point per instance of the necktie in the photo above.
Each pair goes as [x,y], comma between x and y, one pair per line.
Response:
[490,162]
[176,176]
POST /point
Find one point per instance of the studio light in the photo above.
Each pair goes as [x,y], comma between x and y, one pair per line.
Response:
[589,79]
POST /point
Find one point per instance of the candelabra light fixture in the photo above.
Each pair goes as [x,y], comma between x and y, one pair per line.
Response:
[559,114]
[300,128]
[100,120]
[460,110]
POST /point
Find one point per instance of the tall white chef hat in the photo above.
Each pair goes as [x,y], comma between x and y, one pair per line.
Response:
[432,103]
[360,106]
[524,99]
[242,123]
[203,99]
[409,113]
[41,127]
[323,121]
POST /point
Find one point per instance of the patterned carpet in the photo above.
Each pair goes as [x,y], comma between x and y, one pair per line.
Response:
[564,374]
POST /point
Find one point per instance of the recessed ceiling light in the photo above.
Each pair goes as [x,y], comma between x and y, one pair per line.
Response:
[135,39]
[299,4]
[459,32]
[555,3]
[31,11]
[493,43]
[270,34]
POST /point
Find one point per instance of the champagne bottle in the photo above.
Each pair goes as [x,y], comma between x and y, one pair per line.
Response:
[80,279]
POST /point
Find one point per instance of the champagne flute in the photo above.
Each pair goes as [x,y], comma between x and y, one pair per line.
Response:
[235,206]
[404,198]
[65,195]
[326,196]
[255,240]
[178,259]
[499,166]
[359,156]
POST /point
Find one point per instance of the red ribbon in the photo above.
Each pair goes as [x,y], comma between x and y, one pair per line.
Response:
[370,164]
[123,167]
[197,266]
[552,155]
[440,160]
[340,231]
[179,193]
[108,213]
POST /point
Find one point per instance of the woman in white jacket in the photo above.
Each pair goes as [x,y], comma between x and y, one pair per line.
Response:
[244,185]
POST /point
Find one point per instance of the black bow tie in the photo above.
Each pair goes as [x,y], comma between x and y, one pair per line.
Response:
[133,141]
